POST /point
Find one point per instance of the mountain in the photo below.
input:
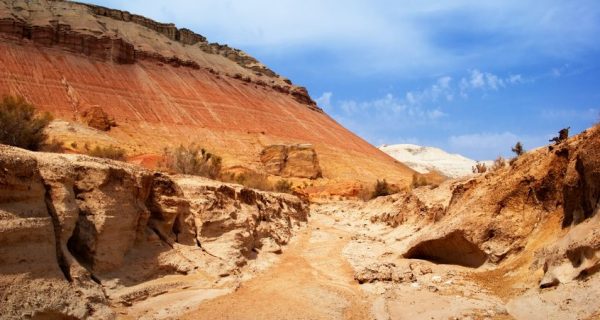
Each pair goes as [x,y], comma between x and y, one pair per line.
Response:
[145,85]
[427,159]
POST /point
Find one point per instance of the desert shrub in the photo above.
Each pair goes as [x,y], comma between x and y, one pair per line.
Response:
[283,186]
[193,160]
[518,149]
[21,125]
[365,193]
[479,168]
[53,145]
[382,188]
[563,135]
[109,152]
[419,180]
[254,180]
[499,163]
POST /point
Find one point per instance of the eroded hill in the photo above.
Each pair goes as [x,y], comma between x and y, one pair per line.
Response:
[155,86]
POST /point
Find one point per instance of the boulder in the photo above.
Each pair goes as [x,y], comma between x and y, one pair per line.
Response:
[299,161]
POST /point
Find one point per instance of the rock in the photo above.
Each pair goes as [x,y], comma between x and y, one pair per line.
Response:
[384,272]
[72,222]
[233,222]
[96,118]
[37,275]
[298,161]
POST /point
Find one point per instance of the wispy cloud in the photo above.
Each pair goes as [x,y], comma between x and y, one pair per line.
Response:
[478,80]
[325,100]
[444,90]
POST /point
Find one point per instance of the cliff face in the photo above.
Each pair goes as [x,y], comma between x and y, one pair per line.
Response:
[165,86]
[80,235]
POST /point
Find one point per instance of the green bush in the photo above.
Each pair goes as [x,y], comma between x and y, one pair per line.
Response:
[193,160]
[21,125]
[110,152]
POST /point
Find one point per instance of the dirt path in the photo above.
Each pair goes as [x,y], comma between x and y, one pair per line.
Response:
[311,281]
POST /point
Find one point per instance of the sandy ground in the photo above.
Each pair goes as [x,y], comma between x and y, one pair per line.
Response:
[311,281]
[314,278]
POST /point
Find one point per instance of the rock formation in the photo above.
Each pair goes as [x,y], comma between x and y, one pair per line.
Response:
[298,161]
[76,229]
[527,233]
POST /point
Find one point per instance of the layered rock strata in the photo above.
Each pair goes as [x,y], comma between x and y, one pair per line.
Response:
[75,229]
[164,89]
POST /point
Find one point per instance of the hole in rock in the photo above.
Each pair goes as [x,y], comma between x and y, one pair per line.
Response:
[451,249]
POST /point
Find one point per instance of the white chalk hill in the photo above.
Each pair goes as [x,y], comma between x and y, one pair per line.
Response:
[425,159]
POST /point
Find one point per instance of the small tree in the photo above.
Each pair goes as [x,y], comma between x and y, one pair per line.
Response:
[563,135]
[382,188]
[518,149]
[21,125]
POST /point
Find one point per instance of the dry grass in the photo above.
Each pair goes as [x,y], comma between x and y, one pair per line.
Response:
[499,163]
[109,152]
[21,125]
[53,145]
[480,168]
[192,160]
[283,186]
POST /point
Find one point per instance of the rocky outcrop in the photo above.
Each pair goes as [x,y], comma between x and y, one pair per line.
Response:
[38,276]
[298,161]
[96,118]
[61,35]
[76,228]
[546,202]
[186,37]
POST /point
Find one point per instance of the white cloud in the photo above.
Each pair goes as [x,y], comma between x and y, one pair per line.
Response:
[388,108]
[477,79]
[487,81]
[324,100]
[442,88]
[515,78]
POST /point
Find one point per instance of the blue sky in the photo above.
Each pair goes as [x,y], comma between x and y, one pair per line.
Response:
[471,77]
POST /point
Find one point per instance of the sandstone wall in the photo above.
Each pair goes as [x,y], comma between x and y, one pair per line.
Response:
[75,228]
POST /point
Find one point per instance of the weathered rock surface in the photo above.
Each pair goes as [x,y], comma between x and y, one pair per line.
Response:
[527,234]
[76,230]
[96,118]
[298,161]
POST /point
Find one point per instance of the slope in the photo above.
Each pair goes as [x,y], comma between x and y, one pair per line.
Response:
[166,86]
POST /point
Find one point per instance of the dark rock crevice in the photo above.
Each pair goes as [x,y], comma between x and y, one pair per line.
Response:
[453,248]
[60,256]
